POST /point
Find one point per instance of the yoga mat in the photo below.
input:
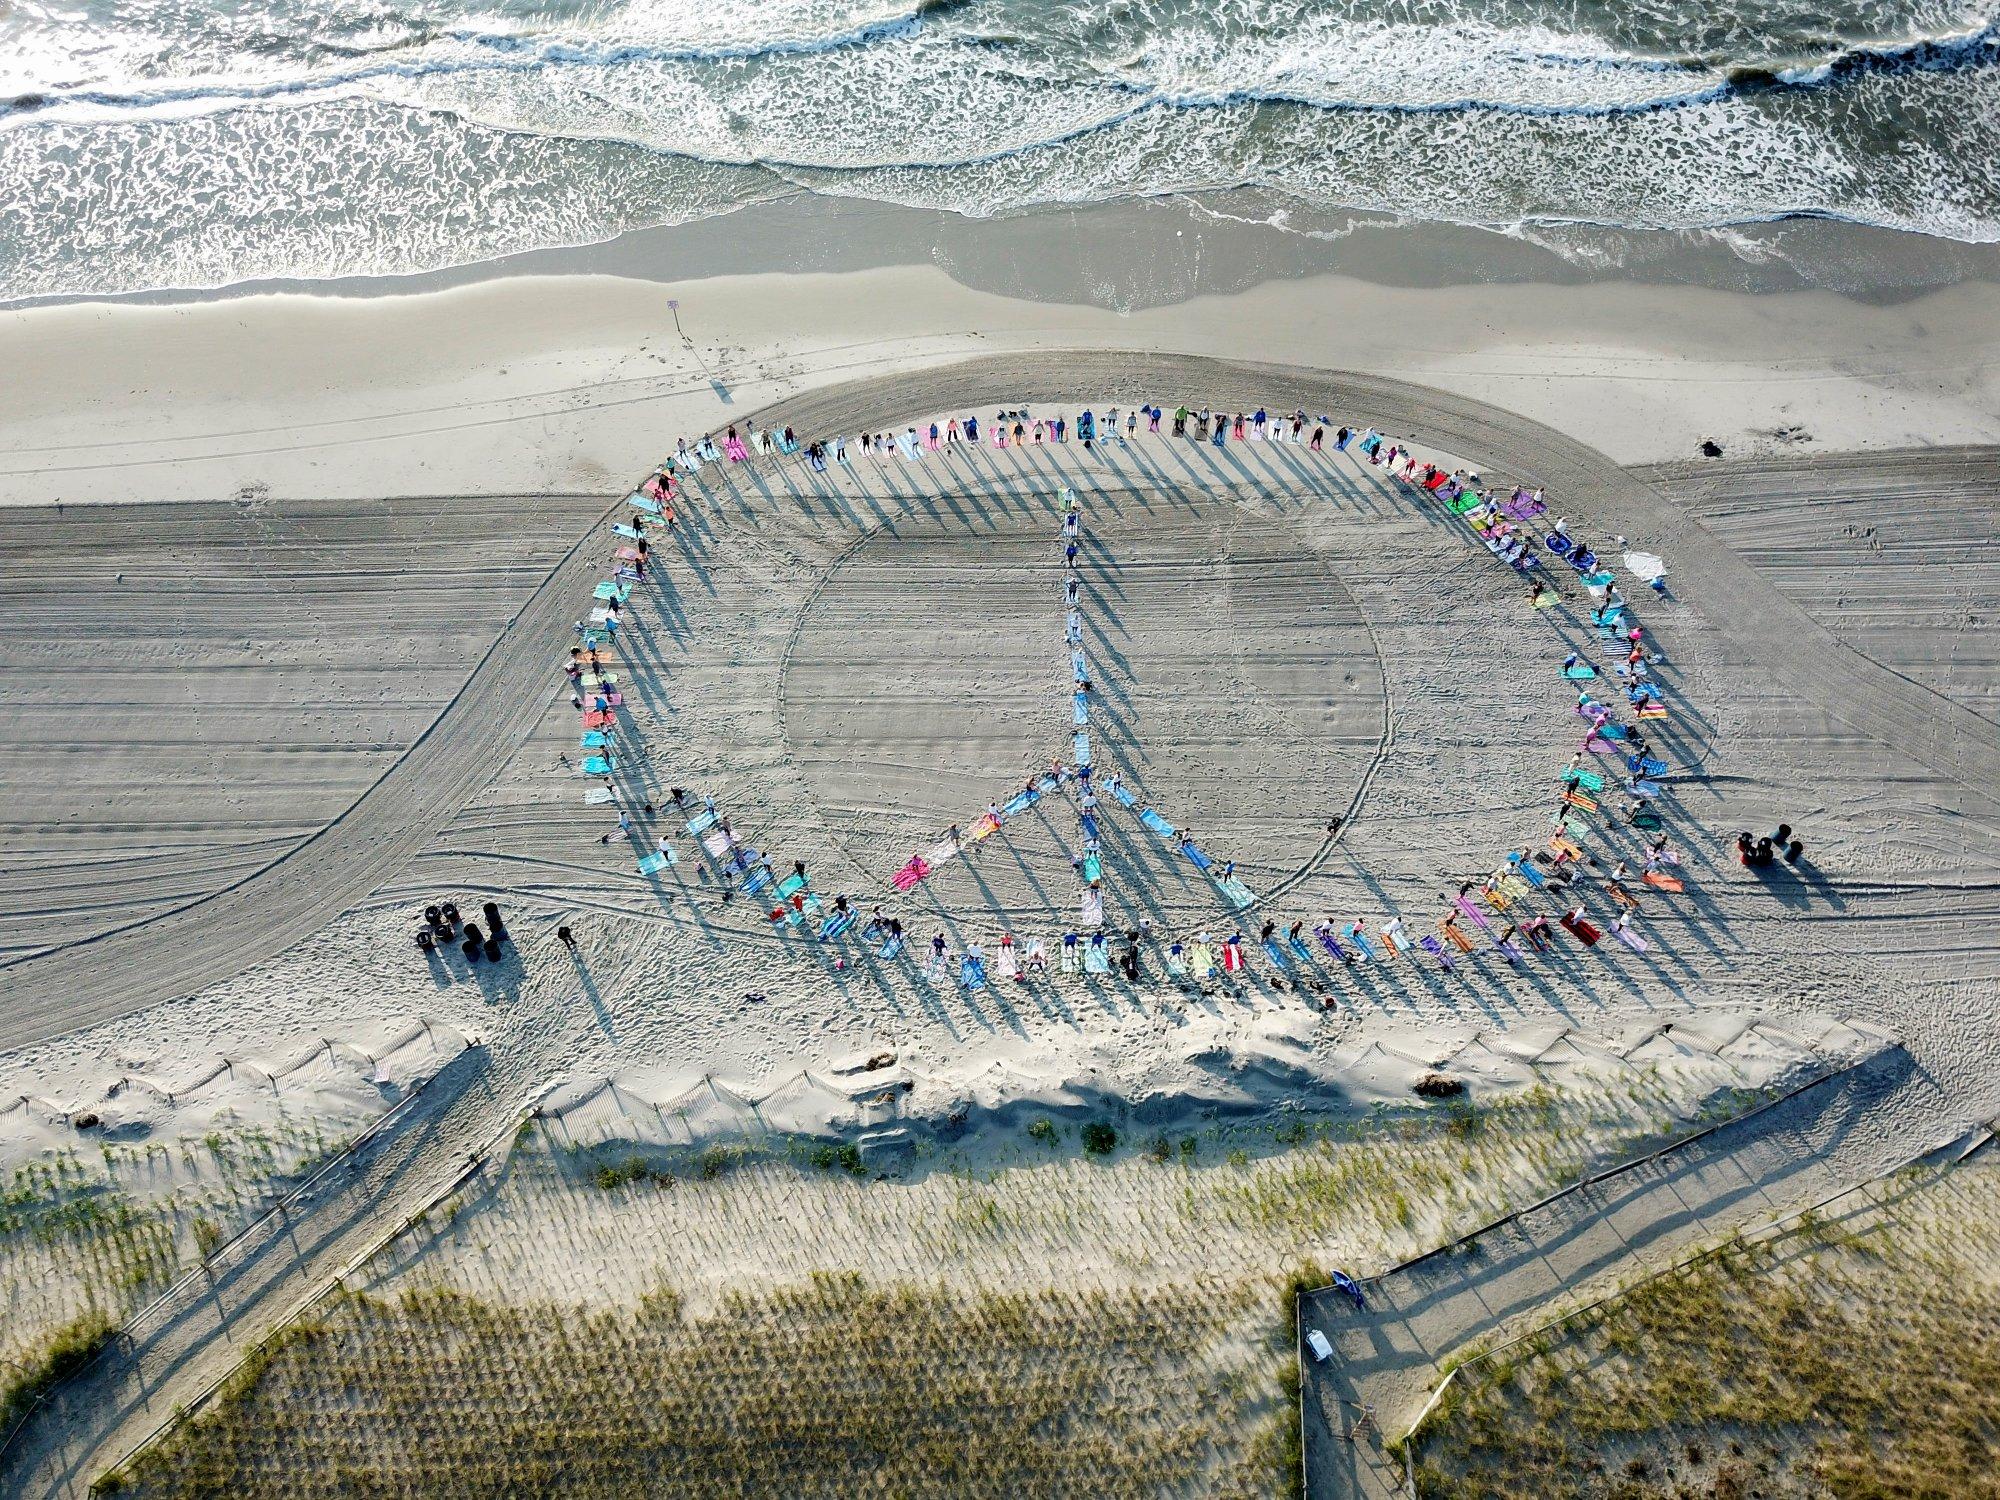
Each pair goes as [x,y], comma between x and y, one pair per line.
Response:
[1079,713]
[633,533]
[1020,802]
[1157,823]
[641,502]
[1083,747]
[1239,894]
[1193,852]
[1089,827]
[1117,789]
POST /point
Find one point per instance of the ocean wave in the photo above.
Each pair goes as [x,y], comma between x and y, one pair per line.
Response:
[494,53]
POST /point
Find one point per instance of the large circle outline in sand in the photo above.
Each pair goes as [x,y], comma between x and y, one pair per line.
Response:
[934,675]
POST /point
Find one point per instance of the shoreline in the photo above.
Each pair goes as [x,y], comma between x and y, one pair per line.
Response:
[569,385]
[1132,253]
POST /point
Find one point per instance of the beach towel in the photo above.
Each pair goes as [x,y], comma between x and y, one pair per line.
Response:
[1233,961]
[1582,671]
[1079,668]
[1083,747]
[1661,881]
[1645,765]
[1645,566]
[1093,868]
[1630,939]
[1201,960]
[938,853]
[835,925]
[1435,949]
[650,863]
[1097,959]
[756,880]
[1176,962]
[1156,823]
[787,444]
[701,822]
[910,874]
[1466,906]
[597,765]
[892,947]
[934,971]
[597,680]
[1299,949]
[1089,822]
[1547,601]
[1589,780]
[626,554]
[1020,802]
[641,502]
[600,616]
[1525,871]
[984,828]
[971,973]
[792,884]
[631,532]
[1514,954]
[1581,930]
[596,739]
[1582,801]
[1079,709]
[1193,852]
[1091,909]
[1238,894]
[1599,580]
[717,842]
[1653,711]
[597,796]
[610,591]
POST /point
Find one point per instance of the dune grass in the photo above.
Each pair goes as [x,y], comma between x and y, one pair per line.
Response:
[1858,1359]
[832,1387]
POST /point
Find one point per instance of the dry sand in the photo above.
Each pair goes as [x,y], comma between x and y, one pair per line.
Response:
[848,664]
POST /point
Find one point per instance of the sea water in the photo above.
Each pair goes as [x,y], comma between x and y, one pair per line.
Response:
[194,143]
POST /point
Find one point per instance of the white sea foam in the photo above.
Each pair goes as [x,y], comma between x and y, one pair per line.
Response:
[181,146]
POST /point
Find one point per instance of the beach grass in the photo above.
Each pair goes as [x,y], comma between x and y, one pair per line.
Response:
[1856,1355]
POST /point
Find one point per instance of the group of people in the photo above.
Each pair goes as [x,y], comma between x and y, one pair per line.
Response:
[1016,427]
[1516,909]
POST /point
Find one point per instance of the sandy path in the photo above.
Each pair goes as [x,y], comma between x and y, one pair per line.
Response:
[1898,555]
[226,679]
[268,907]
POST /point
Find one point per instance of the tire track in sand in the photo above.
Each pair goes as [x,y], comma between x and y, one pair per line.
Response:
[211,939]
